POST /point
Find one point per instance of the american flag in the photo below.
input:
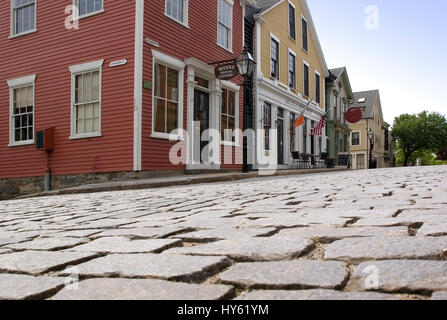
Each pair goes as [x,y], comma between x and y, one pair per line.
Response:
[318,130]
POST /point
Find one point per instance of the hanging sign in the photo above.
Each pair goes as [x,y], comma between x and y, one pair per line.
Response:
[117,63]
[226,71]
[353,115]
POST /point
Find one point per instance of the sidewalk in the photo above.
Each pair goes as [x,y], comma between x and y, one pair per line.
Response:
[170,181]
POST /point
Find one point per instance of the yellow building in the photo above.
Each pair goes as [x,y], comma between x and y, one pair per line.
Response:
[291,71]
[372,121]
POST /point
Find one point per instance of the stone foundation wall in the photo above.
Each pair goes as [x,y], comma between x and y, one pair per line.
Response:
[12,187]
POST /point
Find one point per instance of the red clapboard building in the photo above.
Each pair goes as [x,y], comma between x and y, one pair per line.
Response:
[121,85]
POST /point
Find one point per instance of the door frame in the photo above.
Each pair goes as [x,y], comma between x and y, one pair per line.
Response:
[203,70]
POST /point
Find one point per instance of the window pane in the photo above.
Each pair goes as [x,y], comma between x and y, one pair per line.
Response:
[173,85]
[224,105]
[231,103]
[223,126]
[172,117]
[160,111]
[95,86]
[160,81]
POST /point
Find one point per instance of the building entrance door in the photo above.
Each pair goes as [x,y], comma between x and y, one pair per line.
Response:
[280,130]
[202,119]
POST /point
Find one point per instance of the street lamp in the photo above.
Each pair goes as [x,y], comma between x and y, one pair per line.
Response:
[245,63]
[371,142]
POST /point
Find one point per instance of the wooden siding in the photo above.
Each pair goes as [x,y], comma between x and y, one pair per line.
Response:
[48,53]
[198,40]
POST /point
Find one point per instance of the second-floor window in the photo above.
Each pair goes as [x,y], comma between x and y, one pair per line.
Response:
[355,139]
[274,56]
[292,71]
[292,27]
[306,88]
[23,114]
[224,24]
[88,7]
[24,16]
[317,88]
[178,10]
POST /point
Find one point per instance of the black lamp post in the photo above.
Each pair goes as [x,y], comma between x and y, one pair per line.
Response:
[371,143]
[246,65]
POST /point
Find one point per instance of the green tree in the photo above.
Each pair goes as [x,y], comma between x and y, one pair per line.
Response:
[424,132]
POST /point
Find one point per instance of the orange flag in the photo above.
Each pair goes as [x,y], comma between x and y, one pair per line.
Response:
[298,122]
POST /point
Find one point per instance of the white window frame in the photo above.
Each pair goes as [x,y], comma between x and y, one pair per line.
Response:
[272,36]
[307,35]
[291,52]
[76,70]
[316,73]
[94,13]
[236,89]
[308,79]
[230,41]
[12,22]
[288,19]
[185,21]
[178,65]
[360,138]
[15,84]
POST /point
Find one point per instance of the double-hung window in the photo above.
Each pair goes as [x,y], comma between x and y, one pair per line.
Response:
[177,10]
[274,58]
[228,115]
[225,24]
[355,138]
[335,107]
[22,110]
[166,99]
[292,27]
[23,16]
[292,71]
[304,34]
[86,100]
[317,88]
[89,7]
[306,88]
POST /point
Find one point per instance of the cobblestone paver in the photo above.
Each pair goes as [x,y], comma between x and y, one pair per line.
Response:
[370,235]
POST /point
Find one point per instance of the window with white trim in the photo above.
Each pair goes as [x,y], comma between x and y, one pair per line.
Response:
[22,115]
[304,34]
[228,115]
[86,80]
[166,99]
[292,27]
[274,58]
[306,88]
[23,16]
[355,138]
[317,88]
[178,10]
[224,24]
[292,71]
[89,7]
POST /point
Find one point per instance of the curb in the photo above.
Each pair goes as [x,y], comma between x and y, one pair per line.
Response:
[182,181]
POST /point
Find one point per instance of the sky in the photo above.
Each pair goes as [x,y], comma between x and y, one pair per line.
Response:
[403,53]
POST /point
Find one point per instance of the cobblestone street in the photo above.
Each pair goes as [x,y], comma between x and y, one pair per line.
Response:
[378,234]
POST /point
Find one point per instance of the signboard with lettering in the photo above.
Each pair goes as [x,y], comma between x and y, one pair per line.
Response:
[117,63]
[226,71]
